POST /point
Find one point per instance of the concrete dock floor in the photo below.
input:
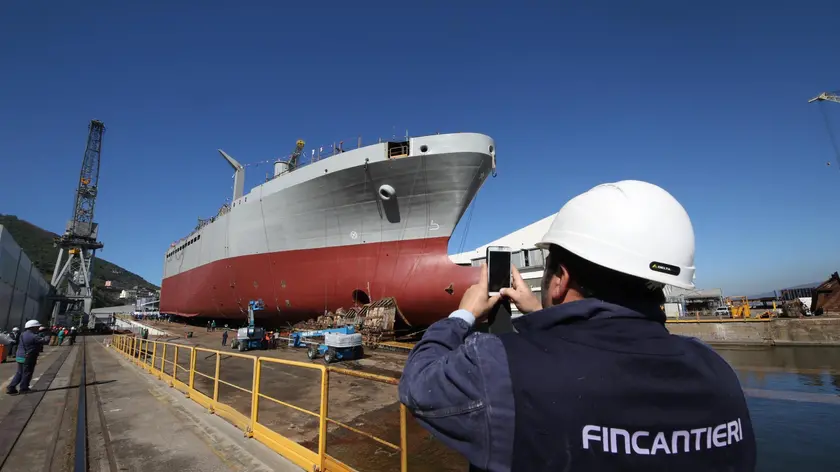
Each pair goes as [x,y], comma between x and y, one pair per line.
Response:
[134,422]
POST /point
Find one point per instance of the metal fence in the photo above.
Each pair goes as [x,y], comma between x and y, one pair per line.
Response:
[201,375]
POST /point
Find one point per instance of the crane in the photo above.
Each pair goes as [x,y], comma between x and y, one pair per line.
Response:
[293,159]
[71,278]
[826,96]
[829,97]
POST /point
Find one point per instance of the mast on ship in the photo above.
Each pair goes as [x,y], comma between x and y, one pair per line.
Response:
[238,176]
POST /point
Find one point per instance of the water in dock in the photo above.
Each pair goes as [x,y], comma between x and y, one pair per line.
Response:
[794,399]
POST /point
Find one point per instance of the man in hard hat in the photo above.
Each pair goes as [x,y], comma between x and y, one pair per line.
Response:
[29,346]
[590,379]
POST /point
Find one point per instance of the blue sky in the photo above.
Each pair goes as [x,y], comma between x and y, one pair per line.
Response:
[708,100]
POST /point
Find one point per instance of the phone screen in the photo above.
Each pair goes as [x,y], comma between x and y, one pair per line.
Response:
[498,267]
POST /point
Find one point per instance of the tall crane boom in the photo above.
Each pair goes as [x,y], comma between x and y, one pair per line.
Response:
[826,97]
[71,277]
[88,182]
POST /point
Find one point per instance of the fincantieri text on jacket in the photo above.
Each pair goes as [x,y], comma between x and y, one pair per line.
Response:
[622,441]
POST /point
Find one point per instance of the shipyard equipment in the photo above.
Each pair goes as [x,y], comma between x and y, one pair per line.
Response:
[295,157]
[826,97]
[739,306]
[71,277]
[250,337]
[334,344]
[829,97]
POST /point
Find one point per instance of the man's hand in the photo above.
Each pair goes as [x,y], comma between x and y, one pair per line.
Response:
[520,294]
[476,299]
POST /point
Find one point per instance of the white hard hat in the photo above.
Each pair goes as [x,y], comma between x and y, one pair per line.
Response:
[631,227]
[15,329]
[32,324]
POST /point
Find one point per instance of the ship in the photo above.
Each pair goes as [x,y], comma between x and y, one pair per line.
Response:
[356,226]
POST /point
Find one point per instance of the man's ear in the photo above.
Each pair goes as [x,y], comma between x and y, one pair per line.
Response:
[558,285]
[562,288]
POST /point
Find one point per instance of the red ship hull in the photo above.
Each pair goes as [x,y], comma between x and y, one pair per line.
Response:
[301,284]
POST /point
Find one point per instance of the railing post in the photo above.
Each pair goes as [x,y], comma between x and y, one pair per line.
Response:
[175,365]
[255,397]
[154,355]
[403,439]
[216,380]
[192,368]
[163,360]
[322,427]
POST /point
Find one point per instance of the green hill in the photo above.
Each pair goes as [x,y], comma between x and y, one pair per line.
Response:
[37,243]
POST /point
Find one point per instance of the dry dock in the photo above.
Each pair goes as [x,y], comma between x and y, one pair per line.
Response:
[132,423]
[363,426]
[279,397]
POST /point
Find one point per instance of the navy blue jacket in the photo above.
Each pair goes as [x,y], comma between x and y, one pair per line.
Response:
[582,371]
[30,345]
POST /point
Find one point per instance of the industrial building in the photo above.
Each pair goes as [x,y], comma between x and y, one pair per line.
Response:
[530,262]
[24,292]
[680,302]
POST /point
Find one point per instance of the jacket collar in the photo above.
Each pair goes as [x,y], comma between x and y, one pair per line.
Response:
[584,310]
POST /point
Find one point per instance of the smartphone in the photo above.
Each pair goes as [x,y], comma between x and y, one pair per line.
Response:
[498,269]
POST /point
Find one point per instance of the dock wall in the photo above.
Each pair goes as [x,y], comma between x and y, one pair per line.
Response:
[794,331]
[23,290]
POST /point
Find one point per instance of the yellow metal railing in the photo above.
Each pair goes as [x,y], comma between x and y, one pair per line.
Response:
[154,357]
[719,320]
